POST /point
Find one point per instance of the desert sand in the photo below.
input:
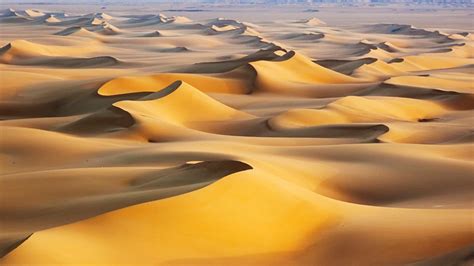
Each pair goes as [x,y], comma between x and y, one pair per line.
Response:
[165,139]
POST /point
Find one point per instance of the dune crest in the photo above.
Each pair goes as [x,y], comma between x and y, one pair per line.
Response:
[24,49]
[153,34]
[294,74]
[21,52]
[107,29]
[354,109]
[313,22]
[102,16]
[167,104]
[34,13]
[76,30]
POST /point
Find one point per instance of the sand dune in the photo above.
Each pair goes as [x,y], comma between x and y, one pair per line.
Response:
[147,20]
[9,13]
[107,29]
[304,36]
[167,103]
[34,13]
[47,19]
[216,29]
[133,137]
[345,66]
[91,32]
[313,22]
[101,15]
[178,20]
[21,52]
[23,49]
[457,84]
[158,19]
[320,214]
[76,30]
[145,184]
[353,109]
[300,76]
[11,16]
[223,83]
[402,30]
[153,34]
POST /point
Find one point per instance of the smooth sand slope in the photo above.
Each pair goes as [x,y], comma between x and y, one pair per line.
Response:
[158,139]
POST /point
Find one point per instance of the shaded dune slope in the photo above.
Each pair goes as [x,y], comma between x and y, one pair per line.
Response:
[22,52]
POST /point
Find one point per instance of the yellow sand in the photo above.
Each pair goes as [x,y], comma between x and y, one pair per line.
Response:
[167,140]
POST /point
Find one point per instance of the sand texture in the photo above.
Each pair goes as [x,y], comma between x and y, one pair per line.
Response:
[161,139]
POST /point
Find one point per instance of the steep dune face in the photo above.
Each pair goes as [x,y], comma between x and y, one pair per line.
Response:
[21,52]
[107,29]
[212,215]
[34,13]
[24,49]
[459,56]
[222,83]
[313,22]
[307,36]
[291,65]
[217,221]
[294,74]
[399,29]
[101,15]
[76,30]
[168,103]
[223,142]
[49,19]
[83,199]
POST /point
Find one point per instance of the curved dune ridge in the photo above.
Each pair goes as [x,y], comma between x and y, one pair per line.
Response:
[313,22]
[107,29]
[148,20]
[94,21]
[220,29]
[48,19]
[222,142]
[352,109]
[24,49]
[153,34]
[145,184]
[401,29]
[224,83]
[296,75]
[91,31]
[34,13]
[304,36]
[167,104]
[22,52]
[76,30]
[240,29]
[290,64]
[100,15]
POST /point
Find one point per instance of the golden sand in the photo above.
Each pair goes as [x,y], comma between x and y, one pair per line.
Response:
[162,140]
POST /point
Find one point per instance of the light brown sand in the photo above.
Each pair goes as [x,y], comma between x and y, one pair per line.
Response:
[165,140]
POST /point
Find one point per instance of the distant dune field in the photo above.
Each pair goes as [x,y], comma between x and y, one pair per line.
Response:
[142,138]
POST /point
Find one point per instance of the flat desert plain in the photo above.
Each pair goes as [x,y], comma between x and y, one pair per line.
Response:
[258,136]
